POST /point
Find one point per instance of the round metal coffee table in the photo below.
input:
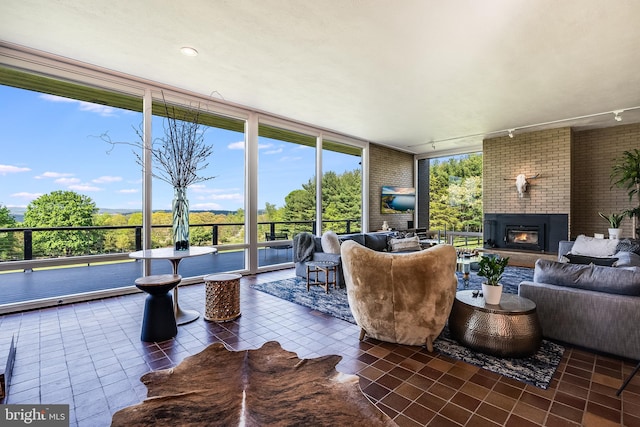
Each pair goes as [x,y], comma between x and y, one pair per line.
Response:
[508,329]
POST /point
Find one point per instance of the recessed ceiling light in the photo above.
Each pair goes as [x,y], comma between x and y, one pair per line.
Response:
[188,51]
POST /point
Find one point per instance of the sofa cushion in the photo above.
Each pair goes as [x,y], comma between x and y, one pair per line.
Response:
[358,238]
[376,241]
[330,242]
[583,259]
[406,244]
[621,281]
[590,246]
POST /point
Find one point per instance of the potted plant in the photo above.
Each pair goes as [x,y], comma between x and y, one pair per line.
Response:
[492,268]
[626,174]
[614,221]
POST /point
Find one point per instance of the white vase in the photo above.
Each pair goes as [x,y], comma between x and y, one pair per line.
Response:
[614,233]
[492,294]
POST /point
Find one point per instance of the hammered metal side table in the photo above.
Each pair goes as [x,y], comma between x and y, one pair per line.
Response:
[508,329]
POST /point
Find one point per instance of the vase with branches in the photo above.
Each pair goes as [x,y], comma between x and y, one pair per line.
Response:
[625,173]
[178,158]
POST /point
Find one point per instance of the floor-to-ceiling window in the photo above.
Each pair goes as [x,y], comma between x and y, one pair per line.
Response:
[85,132]
[286,190]
[341,187]
[217,199]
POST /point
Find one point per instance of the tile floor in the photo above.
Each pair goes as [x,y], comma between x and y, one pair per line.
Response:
[89,355]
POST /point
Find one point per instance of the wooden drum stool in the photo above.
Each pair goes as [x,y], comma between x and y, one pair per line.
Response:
[222,297]
[159,320]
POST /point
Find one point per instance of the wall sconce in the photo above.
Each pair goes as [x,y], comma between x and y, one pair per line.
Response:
[511,133]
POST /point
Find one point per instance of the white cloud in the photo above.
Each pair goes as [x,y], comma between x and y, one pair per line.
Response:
[84,187]
[5,169]
[223,196]
[107,179]
[290,159]
[67,181]
[128,191]
[275,151]
[53,175]
[206,206]
[239,145]
[102,110]
[25,195]
[264,146]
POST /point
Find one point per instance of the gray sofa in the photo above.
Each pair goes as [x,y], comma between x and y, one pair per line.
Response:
[591,306]
[376,241]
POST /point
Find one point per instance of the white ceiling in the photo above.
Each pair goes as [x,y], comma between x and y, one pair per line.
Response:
[398,73]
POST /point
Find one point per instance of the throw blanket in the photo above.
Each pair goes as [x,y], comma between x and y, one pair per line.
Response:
[304,244]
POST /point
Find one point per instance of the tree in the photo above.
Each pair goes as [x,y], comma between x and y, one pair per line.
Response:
[341,200]
[8,240]
[62,209]
[455,193]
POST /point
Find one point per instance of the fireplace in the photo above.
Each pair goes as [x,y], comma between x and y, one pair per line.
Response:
[527,232]
[524,237]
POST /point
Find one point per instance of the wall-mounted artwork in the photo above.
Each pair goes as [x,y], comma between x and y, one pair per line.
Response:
[398,200]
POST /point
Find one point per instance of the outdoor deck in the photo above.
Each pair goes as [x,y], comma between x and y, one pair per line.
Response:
[16,287]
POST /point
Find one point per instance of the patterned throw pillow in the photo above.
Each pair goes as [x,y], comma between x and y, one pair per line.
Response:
[628,245]
[406,244]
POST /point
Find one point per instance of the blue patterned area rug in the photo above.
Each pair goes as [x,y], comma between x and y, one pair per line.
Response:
[536,370]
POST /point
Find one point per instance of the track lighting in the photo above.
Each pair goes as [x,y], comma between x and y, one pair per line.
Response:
[617,116]
[511,133]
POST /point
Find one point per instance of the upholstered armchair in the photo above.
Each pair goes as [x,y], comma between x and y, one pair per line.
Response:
[401,298]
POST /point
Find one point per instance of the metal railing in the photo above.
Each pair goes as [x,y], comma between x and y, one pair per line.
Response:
[23,248]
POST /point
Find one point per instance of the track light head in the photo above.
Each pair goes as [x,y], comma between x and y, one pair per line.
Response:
[617,116]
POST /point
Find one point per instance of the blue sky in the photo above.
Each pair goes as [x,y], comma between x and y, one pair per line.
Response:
[51,143]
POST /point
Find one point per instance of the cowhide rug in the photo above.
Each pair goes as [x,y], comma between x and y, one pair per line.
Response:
[264,387]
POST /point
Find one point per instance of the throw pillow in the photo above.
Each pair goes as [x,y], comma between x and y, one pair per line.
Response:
[406,244]
[590,246]
[330,242]
[582,259]
[627,259]
[627,245]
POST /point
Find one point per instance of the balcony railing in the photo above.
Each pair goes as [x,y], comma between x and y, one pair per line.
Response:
[24,248]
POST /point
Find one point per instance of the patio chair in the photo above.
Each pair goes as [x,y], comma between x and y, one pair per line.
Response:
[272,237]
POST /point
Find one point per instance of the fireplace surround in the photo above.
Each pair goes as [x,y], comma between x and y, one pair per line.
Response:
[526,232]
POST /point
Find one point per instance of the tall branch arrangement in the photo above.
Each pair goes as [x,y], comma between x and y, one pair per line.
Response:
[181,154]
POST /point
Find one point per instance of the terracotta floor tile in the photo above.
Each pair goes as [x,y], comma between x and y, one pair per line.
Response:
[90,356]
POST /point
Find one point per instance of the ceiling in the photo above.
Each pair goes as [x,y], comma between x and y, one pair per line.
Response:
[410,74]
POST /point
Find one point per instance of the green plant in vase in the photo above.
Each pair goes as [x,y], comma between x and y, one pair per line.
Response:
[625,173]
[614,221]
[492,269]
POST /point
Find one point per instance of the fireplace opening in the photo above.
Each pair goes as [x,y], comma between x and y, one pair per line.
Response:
[523,237]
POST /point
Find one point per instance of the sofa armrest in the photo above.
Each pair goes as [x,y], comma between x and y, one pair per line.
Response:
[596,320]
[563,247]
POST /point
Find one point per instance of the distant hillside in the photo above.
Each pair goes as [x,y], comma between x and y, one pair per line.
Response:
[18,213]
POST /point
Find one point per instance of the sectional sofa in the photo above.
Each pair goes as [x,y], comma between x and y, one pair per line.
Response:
[589,305]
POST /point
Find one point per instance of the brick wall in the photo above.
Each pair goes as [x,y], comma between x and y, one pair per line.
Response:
[388,167]
[593,155]
[545,152]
